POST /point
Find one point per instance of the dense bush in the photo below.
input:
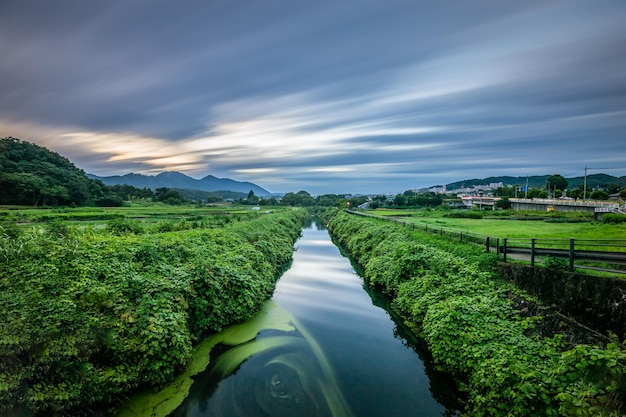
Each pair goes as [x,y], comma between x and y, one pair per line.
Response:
[555,264]
[449,294]
[465,215]
[612,218]
[89,316]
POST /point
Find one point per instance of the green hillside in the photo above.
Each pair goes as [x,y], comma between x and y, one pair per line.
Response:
[539,181]
[33,175]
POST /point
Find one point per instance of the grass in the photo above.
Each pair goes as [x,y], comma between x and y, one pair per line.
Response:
[144,212]
[508,227]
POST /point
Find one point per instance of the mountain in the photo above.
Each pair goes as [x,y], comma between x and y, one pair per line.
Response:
[182,181]
[539,181]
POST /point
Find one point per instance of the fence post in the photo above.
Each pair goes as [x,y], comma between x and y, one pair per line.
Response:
[571,255]
[532,252]
[487,244]
[497,246]
[504,249]
[461,237]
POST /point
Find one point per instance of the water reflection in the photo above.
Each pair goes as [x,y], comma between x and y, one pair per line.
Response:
[278,373]
[322,347]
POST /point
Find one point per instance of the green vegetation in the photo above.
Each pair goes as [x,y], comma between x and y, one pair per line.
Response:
[611,218]
[510,224]
[91,314]
[32,175]
[450,294]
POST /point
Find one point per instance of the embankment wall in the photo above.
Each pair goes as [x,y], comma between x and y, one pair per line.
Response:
[596,302]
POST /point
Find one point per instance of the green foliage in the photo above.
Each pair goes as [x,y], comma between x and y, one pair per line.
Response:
[299,199]
[613,218]
[465,215]
[557,182]
[451,293]
[168,196]
[555,264]
[9,230]
[599,195]
[88,316]
[109,200]
[123,226]
[504,203]
[33,175]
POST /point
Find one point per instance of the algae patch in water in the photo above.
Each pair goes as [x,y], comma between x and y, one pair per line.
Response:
[162,403]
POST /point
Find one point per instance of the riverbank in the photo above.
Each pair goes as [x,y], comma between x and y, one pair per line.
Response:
[467,315]
[89,317]
[323,346]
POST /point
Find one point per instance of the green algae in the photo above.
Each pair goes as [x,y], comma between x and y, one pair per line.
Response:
[313,373]
[162,403]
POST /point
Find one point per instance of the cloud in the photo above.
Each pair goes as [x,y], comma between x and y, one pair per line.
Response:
[330,96]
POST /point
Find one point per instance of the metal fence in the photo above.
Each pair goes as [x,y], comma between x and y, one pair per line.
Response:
[589,251]
[580,253]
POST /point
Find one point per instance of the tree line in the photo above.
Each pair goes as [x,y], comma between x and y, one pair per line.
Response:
[32,175]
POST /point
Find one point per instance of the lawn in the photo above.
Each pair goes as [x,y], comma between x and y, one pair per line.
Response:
[509,228]
[144,212]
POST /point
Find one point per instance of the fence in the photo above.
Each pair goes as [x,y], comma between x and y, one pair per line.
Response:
[601,251]
[491,243]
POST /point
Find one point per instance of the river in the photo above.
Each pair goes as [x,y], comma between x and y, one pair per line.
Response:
[323,347]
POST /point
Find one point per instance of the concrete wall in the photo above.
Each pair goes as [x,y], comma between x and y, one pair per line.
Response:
[596,302]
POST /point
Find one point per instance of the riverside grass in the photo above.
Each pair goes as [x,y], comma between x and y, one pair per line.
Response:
[450,294]
[514,226]
[89,316]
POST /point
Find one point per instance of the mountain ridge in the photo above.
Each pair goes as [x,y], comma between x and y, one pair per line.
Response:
[174,179]
[539,181]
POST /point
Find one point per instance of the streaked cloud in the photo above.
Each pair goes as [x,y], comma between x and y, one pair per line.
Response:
[349,97]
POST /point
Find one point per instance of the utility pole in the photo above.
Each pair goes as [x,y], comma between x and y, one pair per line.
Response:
[585,185]
[526,194]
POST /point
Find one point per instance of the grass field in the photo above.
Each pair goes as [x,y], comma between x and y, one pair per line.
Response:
[146,213]
[505,227]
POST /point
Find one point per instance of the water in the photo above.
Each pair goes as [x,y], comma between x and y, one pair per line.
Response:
[323,349]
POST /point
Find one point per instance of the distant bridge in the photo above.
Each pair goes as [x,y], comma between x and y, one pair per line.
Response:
[480,202]
[597,208]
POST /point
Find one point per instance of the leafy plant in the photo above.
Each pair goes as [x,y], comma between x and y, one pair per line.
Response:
[451,294]
[552,263]
[89,317]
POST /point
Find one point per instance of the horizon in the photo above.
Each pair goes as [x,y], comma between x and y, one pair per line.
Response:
[321,97]
[348,192]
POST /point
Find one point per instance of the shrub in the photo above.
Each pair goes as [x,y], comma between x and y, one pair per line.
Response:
[89,319]
[123,226]
[466,315]
[613,218]
[9,229]
[555,264]
[465,215]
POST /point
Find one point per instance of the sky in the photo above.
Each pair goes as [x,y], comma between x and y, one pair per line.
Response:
[349,96]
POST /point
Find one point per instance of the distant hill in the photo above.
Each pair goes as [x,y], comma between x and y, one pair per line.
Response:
[33,175]
[181,181]
[539,181]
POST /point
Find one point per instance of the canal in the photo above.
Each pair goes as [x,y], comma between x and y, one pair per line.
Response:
[323,347]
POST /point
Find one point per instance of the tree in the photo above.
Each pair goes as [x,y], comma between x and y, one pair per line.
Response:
[252,199]
[611,188]
[400,200]
[31,174]
[168,196]
[599,195]
[300,199]
[557,181]
[504,203]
